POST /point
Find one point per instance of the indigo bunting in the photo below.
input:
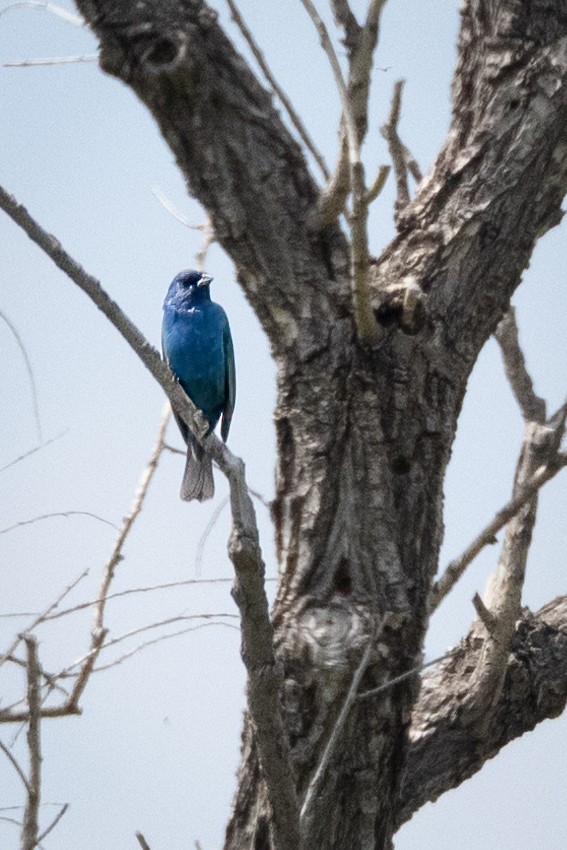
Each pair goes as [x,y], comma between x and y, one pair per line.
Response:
[197,347]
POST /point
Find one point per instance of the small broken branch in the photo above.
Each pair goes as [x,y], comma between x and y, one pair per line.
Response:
[531,405]
[378,184]
[397,152]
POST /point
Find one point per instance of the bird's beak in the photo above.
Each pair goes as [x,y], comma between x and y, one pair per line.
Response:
[205,280]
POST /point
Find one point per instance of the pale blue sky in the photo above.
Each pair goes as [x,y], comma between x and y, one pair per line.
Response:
[157,746]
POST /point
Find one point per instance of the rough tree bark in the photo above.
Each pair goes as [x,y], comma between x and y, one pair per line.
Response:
[364,434]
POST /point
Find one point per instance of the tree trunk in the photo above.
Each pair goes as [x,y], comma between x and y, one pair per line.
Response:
[363,434]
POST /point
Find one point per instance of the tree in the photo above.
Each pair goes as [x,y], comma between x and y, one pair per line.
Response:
[373,360]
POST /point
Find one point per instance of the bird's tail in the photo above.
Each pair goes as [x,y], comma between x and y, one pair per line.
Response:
[198,477]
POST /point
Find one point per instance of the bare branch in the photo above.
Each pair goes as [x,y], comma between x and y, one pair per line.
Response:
[30,825]
[531,405]
[265,675]
[287,104]
[29,370]
[457,567]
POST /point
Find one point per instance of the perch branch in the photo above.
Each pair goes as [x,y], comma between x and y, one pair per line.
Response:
[265,676]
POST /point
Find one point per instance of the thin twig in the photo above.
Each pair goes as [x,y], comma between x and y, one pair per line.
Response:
[16,765]
[29,370]
[30,826]
[53,823]
[207,229]
[205,535]
[55,514]
[407,675]
[181,618]
[52,8]
[133,590]
[531,405]
[169,636]
[287,104]
[40,617]
[32,451]
[168,205]
[457,567]
[51,60]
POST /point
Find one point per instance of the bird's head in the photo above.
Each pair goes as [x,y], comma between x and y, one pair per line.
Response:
[190,278]
[187,288]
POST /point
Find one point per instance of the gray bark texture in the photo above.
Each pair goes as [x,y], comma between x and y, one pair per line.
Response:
[364,434]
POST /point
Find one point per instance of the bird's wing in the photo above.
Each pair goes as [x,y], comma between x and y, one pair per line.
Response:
[229,382]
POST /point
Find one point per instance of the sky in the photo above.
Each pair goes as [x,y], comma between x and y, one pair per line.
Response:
[157,745]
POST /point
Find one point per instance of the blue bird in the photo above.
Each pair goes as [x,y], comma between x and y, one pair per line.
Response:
[197,347]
